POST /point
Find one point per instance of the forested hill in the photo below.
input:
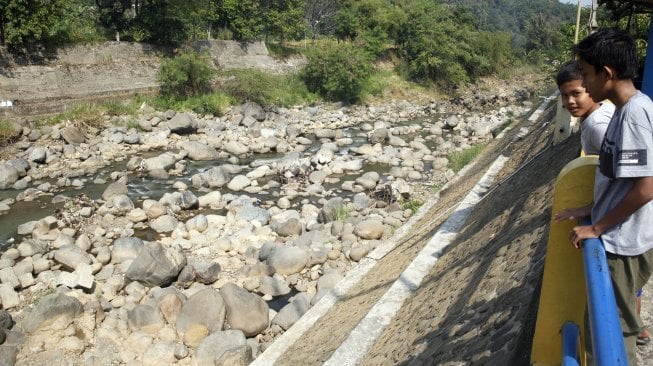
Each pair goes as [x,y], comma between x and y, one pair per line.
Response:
[523,19]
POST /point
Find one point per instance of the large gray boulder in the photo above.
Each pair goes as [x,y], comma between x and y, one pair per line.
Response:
[73,135]
[215,177]
[51,308]
[213,347]
[199,151]
[206,308]
[288,260]
[290,313]
[113,189]
[70,256]
[156,265]
[145,318]
[164,161]
[245,311]
[182,123]
[125,249]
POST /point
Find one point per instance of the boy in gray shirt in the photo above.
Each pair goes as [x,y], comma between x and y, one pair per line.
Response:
[594,116]
[622,212]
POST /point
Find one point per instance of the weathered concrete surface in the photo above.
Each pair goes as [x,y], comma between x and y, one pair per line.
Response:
[111,69]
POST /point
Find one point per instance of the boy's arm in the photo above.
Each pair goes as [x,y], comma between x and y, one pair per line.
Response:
[640,194]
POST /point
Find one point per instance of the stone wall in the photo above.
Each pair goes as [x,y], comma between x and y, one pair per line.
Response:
[110,70]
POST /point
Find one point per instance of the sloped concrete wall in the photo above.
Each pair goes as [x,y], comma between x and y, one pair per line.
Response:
[111,69]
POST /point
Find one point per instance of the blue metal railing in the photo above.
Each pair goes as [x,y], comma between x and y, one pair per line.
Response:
[607,340]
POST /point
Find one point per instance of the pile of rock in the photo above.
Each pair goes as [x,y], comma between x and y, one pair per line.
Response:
[84,285]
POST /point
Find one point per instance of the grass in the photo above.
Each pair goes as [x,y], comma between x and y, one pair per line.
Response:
[342,213]
[412,204]
[458,159]
[8,131]
[85,116]
[213,103]
[266,89]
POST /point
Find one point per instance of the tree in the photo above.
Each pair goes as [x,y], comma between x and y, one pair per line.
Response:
[241,17]
[161,21]
[337,73]
[319,16]
[115,15]
[28,23]
[187,74]
[282,18]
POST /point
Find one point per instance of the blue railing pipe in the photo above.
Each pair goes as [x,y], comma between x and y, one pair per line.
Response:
[607,339]
[570,342]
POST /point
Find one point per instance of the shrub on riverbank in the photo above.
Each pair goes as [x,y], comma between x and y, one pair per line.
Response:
[187,74]
[8,131]
[337,73]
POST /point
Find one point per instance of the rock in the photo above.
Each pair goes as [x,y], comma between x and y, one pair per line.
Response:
[163,162]
[114,189]
[210,351]
[207,272]
[164,224]
[145,318]
[380,135]
[6,321]
[236,148]
[70,256]
[254,110]
[238,356]
[132,138]
[451,121]
[73,135]
[198,223]
[290,227]
[125,249]
[215,177]
[290,313]
[8,176]
[273,287]
[211,200]
[205,307]
[50,308]
[8,277]
[238,183]
[159,353]
[37,154]
[288,260]
[8,296]
[156,265]
[199,151]
[245,311]
[359,252]
[195,334]
[170,305]
[369,229]
[369,180]
[182,123]
[243,209]
[331,209]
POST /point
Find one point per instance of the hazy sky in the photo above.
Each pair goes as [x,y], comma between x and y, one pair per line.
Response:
[584,2]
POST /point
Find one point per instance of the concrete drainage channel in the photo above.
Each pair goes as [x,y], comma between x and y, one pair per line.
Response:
[370,328]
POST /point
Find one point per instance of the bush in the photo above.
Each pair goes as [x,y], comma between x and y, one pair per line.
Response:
[337,73]
[266,89]
[189,73]
[8,131]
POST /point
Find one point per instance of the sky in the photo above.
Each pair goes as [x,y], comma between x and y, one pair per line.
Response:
[584,2]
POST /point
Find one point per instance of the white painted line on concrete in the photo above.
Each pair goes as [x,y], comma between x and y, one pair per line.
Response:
[361,339]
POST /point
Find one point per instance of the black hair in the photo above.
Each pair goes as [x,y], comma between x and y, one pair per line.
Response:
[569,71]
[610,47]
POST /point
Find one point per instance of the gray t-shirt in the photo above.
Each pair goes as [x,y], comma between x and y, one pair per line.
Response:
[592,129]
[626,153]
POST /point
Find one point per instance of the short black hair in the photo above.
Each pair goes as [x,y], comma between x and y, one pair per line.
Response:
[569,71]
[609,47]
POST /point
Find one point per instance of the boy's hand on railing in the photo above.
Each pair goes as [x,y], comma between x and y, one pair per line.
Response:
[580,233]
[575,213]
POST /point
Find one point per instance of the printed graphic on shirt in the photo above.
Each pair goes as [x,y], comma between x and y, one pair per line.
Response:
[606,158]
[632,157]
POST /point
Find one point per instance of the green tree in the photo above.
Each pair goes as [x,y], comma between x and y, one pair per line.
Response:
[30,23]
[187,74]
[345,24]
[114,15]
[283,18]
[337,73]
[161,21]
[241,17]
